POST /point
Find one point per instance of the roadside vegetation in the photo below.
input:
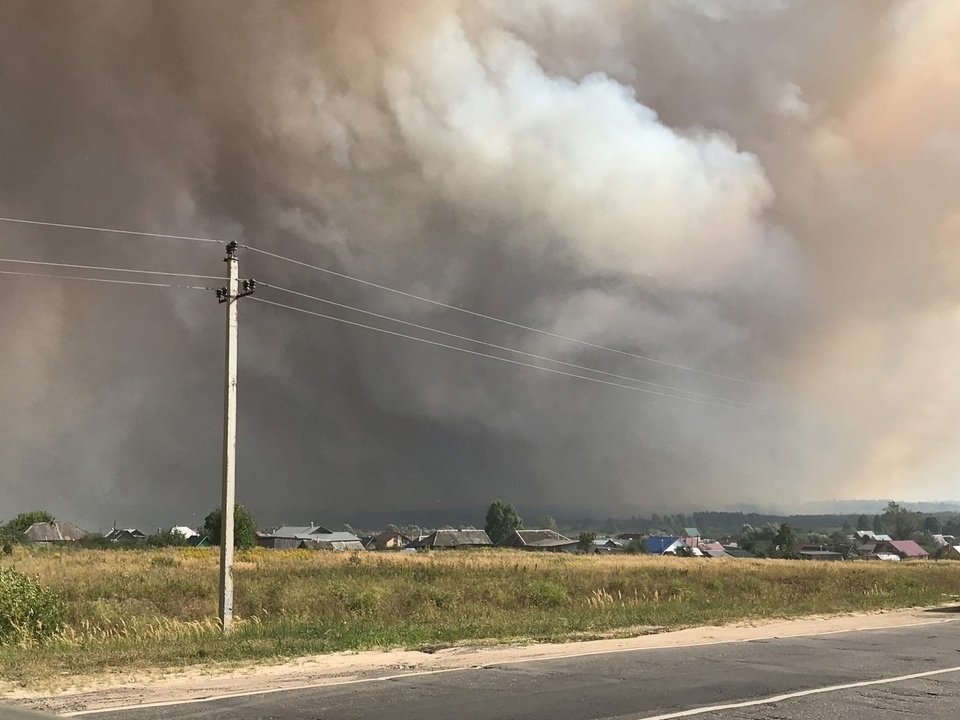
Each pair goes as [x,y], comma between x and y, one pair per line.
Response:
[123,611]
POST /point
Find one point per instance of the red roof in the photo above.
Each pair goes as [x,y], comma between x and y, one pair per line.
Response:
[908,548]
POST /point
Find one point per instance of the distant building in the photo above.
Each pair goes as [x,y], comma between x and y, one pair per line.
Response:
[125,535]
[55,532]
[952,552]
[904,549]
[388,540]
[737,552]
[535,540]
[944,540]
[690,536]
[819,554]
[313,537]
[663,544]
[449,539]
[183,531]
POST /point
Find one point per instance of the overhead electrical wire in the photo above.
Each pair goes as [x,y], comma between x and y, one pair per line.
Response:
[111,269]
[438,303]
[507,349]
[118,231]
[386,288]
[503,359]
[103,280]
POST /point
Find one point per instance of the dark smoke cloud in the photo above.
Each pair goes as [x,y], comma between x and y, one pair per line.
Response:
[759,189]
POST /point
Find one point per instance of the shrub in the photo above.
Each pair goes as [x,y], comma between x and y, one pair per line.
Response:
[27,611]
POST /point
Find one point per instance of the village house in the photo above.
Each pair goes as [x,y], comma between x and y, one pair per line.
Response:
[388,540]
[904,549]
[452,539]
[690,537]
[312,537]
[55,532]
[549,540]
[663,544]
[125,535]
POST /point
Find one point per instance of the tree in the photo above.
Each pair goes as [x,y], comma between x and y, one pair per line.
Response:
[502,519]
[785,540]
[545,522]
[636,547]
[244,527]
[863,523]
[21,522]
[878,525]
[585,541]
[903,523]
[932,525]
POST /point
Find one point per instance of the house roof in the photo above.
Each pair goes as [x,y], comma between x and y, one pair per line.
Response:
[54,532]
[737,552]
[534,538]
[124,533]
[453,538]
[908,548]
[715,553]
[183,531]
[820,555]
[292,531]
[659,544]
[944,540]
[332,541]
[691,532]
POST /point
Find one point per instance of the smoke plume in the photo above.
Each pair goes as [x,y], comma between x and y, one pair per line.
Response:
[765,191]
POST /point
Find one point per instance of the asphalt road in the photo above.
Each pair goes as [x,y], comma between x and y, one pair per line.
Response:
[892,672]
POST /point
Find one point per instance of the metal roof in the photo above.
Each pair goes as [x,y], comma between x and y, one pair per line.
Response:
[908,548]
[289,531]
[657,544]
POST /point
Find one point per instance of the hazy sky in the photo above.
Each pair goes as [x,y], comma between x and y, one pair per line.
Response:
[768,191]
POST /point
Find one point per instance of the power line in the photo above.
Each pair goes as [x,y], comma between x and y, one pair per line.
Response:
[494,319]
[117,231]
[508,349]
[386,288]
[104,280]
[502,359]
[110,269]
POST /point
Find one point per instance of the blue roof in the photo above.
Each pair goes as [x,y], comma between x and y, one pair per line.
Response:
[657,544]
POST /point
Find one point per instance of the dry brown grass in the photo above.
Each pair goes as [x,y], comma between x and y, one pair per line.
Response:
[156,607]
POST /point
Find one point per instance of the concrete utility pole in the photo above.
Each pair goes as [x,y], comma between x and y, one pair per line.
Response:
[230,295]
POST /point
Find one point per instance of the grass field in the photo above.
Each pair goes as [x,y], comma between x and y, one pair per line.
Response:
[142,609]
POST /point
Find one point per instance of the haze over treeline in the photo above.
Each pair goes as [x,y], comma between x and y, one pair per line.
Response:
[761,190]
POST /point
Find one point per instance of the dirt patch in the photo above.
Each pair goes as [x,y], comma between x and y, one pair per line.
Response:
[151,688]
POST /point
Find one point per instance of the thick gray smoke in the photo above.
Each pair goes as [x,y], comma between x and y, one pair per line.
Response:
[765,190]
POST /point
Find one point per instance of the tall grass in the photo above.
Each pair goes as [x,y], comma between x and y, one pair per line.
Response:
[157,607]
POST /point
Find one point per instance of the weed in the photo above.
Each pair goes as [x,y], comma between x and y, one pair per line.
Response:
[146,608]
